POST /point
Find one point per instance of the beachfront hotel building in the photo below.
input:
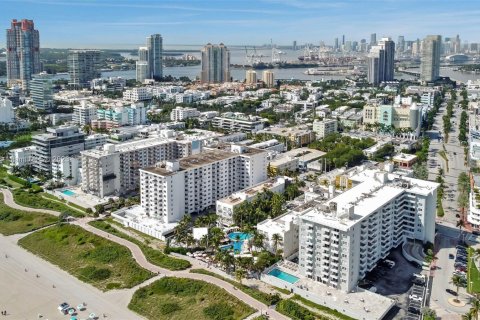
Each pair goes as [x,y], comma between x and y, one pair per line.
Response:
[342,239]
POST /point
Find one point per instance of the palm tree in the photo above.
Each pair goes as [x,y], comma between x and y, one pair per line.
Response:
[258,240]
[475,309]
[460,224]
[467,316]
[457,282]
[276,238]
[240,274]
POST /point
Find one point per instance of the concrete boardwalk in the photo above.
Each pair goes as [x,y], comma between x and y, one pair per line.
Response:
[8,199]
[48,297]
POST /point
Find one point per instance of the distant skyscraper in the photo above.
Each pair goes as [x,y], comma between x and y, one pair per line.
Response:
[401,44]
[41,91]
[142,65]
[373,39]
[155,56]
[268,78]
[141,68]
[343,40]
[381,62]
[294,47]
[83,67]
[215,64]
[23,52]
[251,77]
[430,61]
[335,46]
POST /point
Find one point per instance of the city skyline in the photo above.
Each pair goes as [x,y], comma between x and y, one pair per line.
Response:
[86,24]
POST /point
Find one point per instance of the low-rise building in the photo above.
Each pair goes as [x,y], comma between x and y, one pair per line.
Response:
[22,156]
[180,113]
[137,94]
[236,121]
[84,113]
[7,115]
[404,160]
[226,206]
[298,135]
[324,128]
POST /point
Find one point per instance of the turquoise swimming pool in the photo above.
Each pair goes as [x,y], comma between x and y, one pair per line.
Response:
[239,236]
[68,192]
[283,276]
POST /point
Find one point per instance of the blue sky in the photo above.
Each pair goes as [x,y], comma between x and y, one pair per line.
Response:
[125,23]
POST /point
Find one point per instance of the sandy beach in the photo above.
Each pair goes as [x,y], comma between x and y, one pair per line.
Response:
[24,296]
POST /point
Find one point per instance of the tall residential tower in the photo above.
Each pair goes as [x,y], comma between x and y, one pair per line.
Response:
[23,52]
[381,62]
[430,61]
[155,56]
[83,67]
[215,63]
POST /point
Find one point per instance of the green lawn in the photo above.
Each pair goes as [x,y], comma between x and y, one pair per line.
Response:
[36,200]
[92,259]
[473,273]
[261,296]
[14,221]
[153,256]
[180,299]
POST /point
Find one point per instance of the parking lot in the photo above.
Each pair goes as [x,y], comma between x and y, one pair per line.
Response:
[395,283]
[415,301]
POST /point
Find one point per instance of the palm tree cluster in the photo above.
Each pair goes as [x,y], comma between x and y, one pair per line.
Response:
[474,311]
[265,205]
[463,190]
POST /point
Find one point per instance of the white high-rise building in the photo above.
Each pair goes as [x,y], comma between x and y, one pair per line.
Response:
[41,91]
[215,64]
[84,113]
[141,71]
[7,115]
[343,238]
[83,67]
[114,169]
[193,184]
[430,59]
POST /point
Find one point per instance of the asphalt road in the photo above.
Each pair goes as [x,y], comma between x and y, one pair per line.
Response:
[447,235]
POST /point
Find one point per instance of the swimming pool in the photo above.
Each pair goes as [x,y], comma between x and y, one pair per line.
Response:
[283,275]
[68,192]
[239,236]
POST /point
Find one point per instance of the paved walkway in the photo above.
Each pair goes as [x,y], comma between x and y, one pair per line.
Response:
[8,199]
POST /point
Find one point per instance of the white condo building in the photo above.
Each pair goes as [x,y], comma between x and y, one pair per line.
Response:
[343,238]
[193,184]
[115,168]
[180,113]
[84,113]
[324,128]
[7,114]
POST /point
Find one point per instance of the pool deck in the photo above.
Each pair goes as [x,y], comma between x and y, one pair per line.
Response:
[358,304]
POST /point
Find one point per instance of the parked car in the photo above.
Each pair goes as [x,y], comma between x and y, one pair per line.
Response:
[414,310]
[452,292]
[414,297]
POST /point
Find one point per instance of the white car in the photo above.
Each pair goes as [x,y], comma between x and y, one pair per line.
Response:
[414,297]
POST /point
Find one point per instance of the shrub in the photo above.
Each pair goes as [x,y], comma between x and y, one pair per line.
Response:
[218,311]
[169,307]
[95,274]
